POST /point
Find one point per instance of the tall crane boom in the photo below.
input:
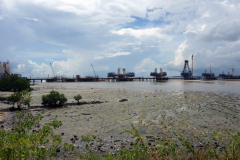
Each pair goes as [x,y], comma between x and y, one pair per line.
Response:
[52,70]
[94,71]
[232,70]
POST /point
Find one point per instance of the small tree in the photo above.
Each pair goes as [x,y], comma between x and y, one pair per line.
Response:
[54,98]
[14,98]
[77,97]
[25,98]
[21,98]
[44,100]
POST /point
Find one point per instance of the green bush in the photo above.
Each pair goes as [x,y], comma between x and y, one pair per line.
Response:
[77,97]
[87,137]
[14,83]
[54,98]
[21,143]
[21,98]
[14,98]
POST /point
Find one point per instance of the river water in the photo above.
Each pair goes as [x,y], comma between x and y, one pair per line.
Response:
[175,85]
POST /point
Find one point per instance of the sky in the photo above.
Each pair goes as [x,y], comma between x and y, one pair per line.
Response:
[139,35]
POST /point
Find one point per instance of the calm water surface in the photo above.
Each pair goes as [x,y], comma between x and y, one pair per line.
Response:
[208,86]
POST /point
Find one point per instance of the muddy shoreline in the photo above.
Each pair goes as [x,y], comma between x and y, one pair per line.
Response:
[206,111]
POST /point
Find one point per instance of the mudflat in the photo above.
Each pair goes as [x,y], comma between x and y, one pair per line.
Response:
[201,111]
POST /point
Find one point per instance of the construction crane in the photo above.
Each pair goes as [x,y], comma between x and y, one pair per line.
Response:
[94,71]
[52,70]
[211,71]
[186,73]
[232,70]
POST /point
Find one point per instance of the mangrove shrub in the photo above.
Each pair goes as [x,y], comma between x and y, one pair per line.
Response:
[77,97]
[14,83]
[21,98]
[54,98]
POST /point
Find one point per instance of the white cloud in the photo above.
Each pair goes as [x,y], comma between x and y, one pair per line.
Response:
[67,8]
[212,38]
[78,33]
[98,57]
[55,43]
[49,60]
[145,67]
[179,59]
[144,33]
[33,69]
[118,54]
[31,19]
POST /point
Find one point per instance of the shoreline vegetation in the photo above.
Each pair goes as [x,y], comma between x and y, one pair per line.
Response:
[130,124]
[28,140]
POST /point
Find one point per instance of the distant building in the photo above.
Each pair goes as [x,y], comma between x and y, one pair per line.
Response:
[5,69]
[18,75]
[2,70]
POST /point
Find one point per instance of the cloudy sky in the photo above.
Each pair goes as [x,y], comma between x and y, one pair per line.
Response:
[140,35]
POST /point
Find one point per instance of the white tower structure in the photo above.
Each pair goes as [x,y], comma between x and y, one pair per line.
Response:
[119,70]
[124,71]
[161,72]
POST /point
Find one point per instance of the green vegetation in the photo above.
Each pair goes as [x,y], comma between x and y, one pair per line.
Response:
[24,143]
[175,143]
[14,83]
[54,98]
[21,98]
[88,138]
[78,97]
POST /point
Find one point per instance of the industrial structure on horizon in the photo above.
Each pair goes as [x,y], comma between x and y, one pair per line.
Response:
[209,76]
[159,76]
[186,74]
[229,76]
[121,76]
[5,69]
